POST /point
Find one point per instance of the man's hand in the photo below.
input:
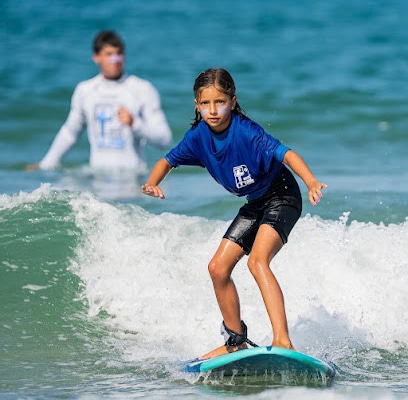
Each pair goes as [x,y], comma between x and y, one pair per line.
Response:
[125,117]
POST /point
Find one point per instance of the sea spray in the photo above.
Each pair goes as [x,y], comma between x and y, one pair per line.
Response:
[149,272]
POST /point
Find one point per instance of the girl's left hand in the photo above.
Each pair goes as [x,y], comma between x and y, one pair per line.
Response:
[315,193]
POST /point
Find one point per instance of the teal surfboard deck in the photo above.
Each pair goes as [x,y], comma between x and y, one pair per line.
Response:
[261,361]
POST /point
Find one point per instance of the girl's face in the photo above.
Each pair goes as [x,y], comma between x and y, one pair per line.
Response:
[215,108]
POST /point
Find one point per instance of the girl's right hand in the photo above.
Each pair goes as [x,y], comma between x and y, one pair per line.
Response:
[152,190]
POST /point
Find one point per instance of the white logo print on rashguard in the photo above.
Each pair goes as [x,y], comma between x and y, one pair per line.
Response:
[242,176]
[110,135]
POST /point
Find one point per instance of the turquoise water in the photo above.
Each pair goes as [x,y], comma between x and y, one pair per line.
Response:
[104,291]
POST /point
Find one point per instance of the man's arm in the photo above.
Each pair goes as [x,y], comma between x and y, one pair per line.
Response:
[152,124]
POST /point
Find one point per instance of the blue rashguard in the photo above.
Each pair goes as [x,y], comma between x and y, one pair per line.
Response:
[245,163]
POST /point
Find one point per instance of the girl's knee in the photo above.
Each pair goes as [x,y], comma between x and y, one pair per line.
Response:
[213,268]
[256,265]
[217,272]
[253,264]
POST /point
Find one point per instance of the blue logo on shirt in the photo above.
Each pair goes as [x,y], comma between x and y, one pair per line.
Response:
[242,176]
[110,135]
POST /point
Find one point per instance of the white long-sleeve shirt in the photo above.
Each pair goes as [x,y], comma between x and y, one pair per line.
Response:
[95,104]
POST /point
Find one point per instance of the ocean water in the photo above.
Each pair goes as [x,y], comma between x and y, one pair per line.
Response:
[104,291]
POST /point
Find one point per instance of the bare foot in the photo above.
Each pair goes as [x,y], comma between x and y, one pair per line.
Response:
[284,344]
[222,350]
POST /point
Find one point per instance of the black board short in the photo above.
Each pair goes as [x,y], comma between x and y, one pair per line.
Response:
[280,208]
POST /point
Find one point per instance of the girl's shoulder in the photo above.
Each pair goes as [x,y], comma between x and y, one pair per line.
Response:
[195,134]
[200,129]
[247,126]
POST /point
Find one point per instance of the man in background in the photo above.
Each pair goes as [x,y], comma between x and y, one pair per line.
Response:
[122,113]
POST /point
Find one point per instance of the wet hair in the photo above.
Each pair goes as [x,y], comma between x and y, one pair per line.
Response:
[107,37]
[222,81]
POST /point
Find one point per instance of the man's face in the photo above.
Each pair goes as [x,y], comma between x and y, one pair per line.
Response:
[110,61]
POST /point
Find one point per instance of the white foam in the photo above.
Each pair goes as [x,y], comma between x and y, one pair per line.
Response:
[344,283]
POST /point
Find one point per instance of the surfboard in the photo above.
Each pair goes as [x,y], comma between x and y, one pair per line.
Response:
[263,361]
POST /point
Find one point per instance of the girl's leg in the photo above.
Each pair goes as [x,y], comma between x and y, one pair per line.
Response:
[220,269]
[267,244]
